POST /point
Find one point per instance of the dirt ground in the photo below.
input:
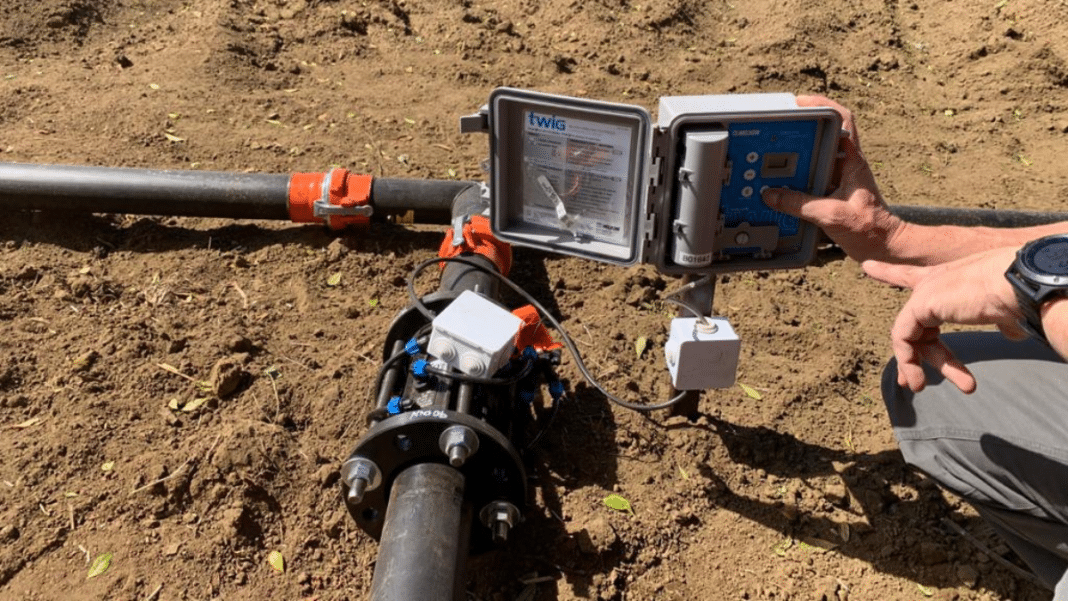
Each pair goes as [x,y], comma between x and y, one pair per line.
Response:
[795,495]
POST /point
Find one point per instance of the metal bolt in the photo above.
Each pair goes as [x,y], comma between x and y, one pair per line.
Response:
[499,517]
[459,443]
[361,475]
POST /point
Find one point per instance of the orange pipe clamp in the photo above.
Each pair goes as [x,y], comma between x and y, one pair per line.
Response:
[337,198]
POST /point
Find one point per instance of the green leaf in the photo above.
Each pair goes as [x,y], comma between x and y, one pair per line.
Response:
[640,344]
[750,392]
[100,565]
[108,466]
[277,561]
[334,280]
[618,503]
[173,138]
[927,592]
[373,302]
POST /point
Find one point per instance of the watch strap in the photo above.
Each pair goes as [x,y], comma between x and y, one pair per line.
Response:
[1027,298]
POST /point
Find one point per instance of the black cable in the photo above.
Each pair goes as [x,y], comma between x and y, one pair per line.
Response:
[525,371]
[568,342]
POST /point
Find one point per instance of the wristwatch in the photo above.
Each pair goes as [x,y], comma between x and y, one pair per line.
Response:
[1039,273]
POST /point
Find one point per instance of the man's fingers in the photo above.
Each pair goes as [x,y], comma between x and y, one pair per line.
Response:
[938,355]
[905,276]
[1013,331]
[816,209]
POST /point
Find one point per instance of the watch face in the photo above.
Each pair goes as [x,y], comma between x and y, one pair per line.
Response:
[1047,257]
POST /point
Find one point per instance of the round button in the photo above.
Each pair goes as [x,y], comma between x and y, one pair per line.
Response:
[749,174]
[741,238]
[747,191]
[752,157]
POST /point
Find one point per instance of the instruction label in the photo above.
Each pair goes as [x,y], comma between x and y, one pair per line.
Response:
[577,176]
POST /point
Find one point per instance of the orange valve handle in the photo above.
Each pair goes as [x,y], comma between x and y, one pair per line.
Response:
[337,198]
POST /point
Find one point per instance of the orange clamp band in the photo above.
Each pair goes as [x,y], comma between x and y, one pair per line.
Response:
[341,201]
[478,238]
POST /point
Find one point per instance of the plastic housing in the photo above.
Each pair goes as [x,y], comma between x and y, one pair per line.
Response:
[474,335]
[701,359]
[597,180]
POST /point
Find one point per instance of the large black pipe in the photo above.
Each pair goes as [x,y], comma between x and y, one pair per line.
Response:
[423,537]
[974,217]
[82,189]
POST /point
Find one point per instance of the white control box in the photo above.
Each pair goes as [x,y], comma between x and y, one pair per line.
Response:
[474,335]
[699,356]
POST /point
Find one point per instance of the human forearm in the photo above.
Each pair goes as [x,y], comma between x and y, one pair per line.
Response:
[934,244]
[1055,325]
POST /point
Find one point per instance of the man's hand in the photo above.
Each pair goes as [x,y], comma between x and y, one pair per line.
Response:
[854,216]
[968,291]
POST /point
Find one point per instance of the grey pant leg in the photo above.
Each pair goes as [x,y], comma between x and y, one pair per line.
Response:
[1003,448]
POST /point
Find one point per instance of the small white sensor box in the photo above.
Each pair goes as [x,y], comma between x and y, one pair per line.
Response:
[702,355]
[474,335]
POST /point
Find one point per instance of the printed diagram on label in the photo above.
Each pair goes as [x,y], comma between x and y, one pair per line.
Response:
[576,177]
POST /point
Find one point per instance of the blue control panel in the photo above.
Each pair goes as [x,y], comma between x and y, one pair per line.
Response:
[775,154]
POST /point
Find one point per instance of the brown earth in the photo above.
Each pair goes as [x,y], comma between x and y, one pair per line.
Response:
[790,496]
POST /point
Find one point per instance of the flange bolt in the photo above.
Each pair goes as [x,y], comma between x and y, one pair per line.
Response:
[360,474]
[499,517]
[459,443]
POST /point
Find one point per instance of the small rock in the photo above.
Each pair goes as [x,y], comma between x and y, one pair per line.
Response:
[334,523]
[968,575]
[85,361]
[172,549]
[335,250]
[169,417]
[238,344]
[596,536]
[226,377]
[8,533]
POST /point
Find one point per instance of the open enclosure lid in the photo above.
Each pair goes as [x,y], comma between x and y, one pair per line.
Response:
[568,175]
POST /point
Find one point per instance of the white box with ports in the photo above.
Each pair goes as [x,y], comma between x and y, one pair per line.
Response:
[700,357]
[474,335]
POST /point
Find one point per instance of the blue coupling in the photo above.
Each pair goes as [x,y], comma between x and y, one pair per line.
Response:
[419,368]
[412,347]
[393,407]
[556,389]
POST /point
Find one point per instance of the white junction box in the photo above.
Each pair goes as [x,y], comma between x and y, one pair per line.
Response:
[474,335]
[699,356]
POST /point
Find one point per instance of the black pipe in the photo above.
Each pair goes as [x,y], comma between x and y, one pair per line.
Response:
[422,536]
[975,217]
[82,189]
[429,199]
